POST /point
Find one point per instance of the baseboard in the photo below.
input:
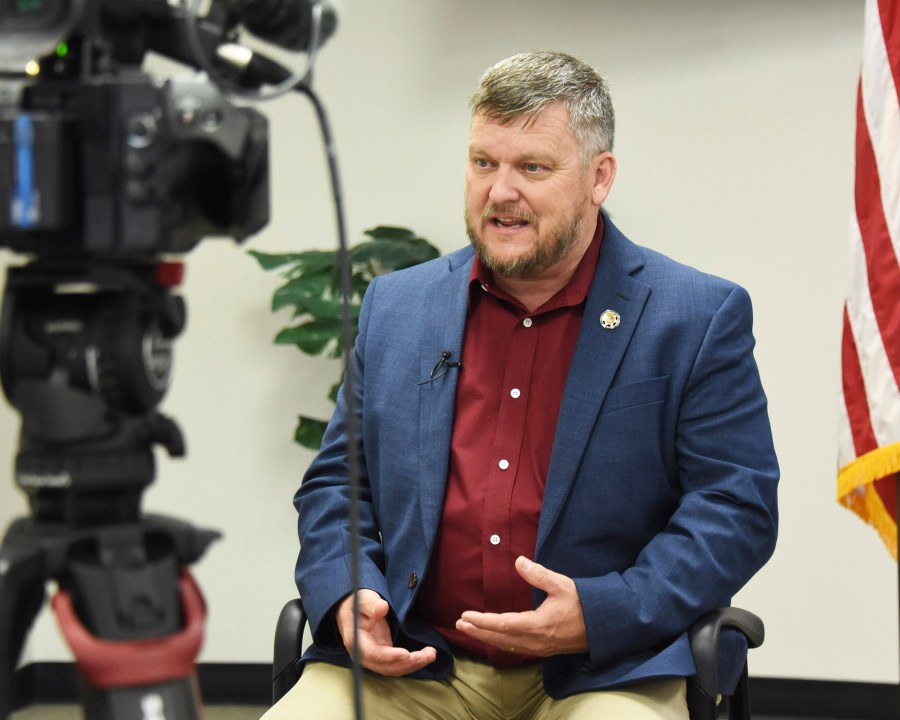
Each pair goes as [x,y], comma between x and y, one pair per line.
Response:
[825,699]
[251,684]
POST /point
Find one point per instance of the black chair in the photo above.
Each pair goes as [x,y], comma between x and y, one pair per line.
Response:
[702,687]
[701,690]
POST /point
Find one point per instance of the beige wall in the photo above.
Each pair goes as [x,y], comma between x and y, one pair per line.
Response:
[735,150]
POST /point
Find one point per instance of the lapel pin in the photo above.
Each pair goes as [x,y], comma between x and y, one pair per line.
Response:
[610,319]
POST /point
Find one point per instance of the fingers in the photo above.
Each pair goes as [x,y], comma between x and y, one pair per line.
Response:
[372,609]
[500,623]
[371,605]
[557,626]
[393,661]
[522,644]
[537,575]
[512,632]
[376,649]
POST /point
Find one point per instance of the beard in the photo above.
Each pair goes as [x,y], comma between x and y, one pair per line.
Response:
[544,253]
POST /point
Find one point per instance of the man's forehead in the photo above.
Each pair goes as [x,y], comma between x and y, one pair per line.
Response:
[523,120]
[550,123]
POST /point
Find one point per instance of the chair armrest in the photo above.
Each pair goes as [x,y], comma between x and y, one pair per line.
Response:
[704,636]
[288,644]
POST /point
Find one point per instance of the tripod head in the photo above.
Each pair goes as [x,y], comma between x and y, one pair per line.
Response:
[85,357]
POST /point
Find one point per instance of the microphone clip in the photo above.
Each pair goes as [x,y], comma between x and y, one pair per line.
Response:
[441,367]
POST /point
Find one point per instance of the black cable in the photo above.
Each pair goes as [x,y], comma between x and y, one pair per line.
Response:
[348,337]
[302,84]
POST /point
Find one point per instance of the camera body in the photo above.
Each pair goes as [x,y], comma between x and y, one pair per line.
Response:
[97,159]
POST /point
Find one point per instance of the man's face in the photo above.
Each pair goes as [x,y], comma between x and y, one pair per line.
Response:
[529,199]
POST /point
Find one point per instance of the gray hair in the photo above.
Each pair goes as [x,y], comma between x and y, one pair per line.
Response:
[525,84]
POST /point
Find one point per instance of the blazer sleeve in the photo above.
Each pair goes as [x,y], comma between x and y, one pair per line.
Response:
[323,571]
[725,525]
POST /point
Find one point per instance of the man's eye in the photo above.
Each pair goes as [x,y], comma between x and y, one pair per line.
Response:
[532,167]
[480,162]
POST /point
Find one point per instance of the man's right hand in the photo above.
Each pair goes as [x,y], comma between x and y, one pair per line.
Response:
[376,651]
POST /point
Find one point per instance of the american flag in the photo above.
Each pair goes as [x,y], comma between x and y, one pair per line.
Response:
[869,433]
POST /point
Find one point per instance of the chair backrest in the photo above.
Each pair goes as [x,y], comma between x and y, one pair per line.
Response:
[288,644]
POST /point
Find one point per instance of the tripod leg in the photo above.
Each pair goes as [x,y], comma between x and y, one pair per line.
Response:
[21,597]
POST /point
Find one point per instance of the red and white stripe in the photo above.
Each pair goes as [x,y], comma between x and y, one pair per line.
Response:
[869,430]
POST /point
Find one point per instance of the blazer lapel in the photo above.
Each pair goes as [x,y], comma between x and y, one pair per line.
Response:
[598,353]
[445,319]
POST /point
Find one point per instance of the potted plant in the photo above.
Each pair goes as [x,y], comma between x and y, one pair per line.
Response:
[312,291]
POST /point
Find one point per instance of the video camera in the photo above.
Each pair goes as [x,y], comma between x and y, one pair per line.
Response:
[96,159]
[105,174]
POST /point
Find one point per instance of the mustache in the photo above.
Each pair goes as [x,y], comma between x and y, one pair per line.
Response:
[508,212]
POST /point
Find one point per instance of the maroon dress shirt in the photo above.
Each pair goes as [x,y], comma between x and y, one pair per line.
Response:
[510,389]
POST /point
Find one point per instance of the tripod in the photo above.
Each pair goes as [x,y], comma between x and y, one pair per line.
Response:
[85,357]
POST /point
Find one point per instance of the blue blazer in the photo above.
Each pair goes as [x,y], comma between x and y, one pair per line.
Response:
[660,498]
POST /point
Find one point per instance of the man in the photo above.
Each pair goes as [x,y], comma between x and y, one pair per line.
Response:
[566,456]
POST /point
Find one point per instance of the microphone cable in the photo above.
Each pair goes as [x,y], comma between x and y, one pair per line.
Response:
[302,83]
[352,428]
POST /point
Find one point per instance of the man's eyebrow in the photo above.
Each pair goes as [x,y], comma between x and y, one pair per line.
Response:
[540,156]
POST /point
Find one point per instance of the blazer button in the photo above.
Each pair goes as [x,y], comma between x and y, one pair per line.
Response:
[413,581]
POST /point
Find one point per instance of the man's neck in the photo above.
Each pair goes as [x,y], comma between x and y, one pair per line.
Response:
[534,292]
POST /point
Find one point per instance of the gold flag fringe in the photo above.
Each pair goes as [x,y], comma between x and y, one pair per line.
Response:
[856,492]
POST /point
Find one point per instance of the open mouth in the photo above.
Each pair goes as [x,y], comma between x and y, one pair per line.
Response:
[508,218]
[506,222]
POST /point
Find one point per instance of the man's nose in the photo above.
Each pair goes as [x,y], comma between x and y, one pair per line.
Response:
[504,188]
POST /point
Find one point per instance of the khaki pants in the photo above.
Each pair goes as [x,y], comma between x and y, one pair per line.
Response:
[474,691]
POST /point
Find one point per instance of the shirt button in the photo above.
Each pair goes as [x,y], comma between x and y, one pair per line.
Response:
[495,539]
[413,581]
[515,392]
[527,322]
[503,464]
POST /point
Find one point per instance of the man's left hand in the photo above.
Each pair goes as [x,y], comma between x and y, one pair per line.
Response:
[555,628]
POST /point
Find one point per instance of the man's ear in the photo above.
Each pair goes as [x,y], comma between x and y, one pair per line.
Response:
[603,171]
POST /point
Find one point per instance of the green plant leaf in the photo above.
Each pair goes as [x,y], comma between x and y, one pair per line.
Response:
[387,255]
[387,251]
[312,290]
[389,232]
[360,282]
[314,262]
[420,251]
[300,290]
[269,261]
[311,337]
[324,309]
[309,432]
[332,394]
